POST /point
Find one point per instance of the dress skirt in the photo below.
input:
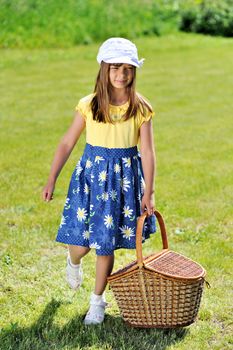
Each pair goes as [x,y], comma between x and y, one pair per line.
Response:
[104,201]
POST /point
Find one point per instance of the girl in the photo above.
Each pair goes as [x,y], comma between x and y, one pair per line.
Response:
[112,183]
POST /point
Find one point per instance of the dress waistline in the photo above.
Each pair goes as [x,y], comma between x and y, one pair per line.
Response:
[110,152]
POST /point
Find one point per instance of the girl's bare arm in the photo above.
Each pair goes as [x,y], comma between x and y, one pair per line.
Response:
[147,151]
[62,153]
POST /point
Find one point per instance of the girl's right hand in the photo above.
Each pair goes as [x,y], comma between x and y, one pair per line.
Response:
[47,193]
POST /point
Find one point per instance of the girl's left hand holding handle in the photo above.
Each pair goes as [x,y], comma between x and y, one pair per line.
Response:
[148,204]
[48,190]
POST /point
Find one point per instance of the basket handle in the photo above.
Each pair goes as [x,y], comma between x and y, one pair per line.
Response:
[139,230]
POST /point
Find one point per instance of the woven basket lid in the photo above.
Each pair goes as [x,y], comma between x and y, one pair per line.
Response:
[175,265]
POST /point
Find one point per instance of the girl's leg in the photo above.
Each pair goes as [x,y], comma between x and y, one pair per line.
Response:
[104,266]
[74,271]
[95,314]
[77,253]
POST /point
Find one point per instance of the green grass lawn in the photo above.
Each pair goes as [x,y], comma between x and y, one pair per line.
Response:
[188,79]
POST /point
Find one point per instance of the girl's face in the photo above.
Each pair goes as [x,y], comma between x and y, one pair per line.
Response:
[120,75]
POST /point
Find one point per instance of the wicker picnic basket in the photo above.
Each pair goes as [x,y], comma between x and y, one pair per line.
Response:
[162,290]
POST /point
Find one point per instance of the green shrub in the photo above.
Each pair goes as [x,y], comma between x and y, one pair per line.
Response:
[207,17]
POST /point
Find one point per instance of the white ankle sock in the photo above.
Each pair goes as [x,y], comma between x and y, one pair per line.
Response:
[73,265]
[97,297]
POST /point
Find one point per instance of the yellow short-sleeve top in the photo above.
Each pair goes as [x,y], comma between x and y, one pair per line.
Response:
[121,134]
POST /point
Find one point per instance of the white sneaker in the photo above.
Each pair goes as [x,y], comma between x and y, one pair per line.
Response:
[74,275]
[95,314]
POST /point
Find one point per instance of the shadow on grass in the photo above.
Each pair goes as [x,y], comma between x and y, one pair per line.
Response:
[112,334]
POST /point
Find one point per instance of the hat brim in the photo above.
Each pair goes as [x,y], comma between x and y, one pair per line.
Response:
[126,60]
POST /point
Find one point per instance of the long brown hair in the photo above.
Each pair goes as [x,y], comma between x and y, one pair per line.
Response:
[100,101]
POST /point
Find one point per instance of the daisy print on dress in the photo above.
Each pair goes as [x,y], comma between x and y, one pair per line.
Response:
[86,233]
[145,226]
[78,169]
[125,184]
[75,191]
[127,162]
[113,195]
[92,178]
[108,221]
[88,163]
[81,214]
[98,159]
[95,245]
[104,196]
[127,231]
[86,189]
[67,205]
[103,176]
[142,185]
[92,213]
[117,168]
[63,221]
[127,211]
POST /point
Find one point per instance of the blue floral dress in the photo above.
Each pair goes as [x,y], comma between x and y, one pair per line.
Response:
[106,187]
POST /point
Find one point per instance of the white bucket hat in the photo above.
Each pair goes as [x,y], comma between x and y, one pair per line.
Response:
[119,50]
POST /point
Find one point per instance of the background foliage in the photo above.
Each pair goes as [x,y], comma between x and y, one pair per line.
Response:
[207,17]
[40,23]
[58,23]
